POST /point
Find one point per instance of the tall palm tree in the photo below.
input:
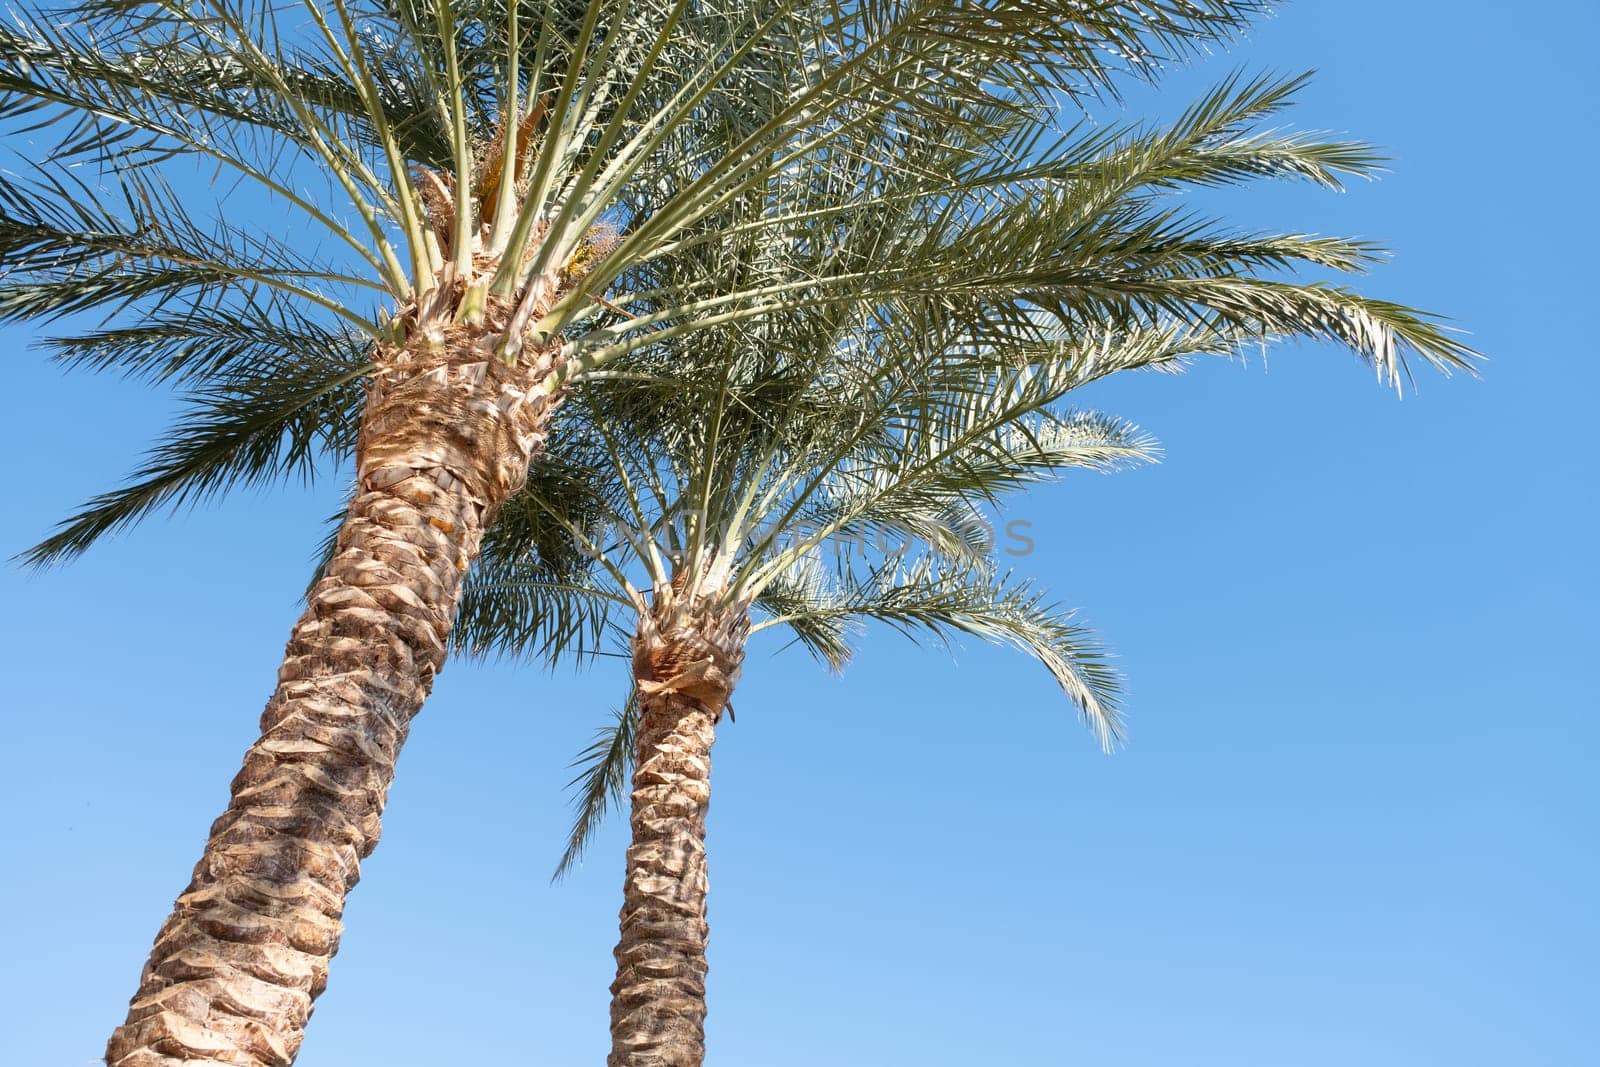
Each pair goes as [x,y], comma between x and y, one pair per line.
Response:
[517,184]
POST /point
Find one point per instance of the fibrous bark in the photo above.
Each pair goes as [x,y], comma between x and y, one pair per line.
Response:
[446,436]
[686,658]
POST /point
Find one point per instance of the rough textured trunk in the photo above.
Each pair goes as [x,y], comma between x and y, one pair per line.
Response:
[447,435]
[686,660]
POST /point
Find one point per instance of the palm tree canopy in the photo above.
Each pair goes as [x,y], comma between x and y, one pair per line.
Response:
[645,151]
[389,130]
[856,483]
[510,134]
[652,158]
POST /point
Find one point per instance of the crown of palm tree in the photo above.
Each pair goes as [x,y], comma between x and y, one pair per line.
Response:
[859,483]
[650,158]
[1062,252]
[621,155]
[999,231]
[492,146]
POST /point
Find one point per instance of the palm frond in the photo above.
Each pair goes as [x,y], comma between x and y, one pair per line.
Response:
[137,86]
[600,784]
[802,597]
[186,345]
[538,611]
[272,424]
[64,249]
[923,597]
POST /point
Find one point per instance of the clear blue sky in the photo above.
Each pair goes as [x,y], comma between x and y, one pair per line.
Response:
[1356,823]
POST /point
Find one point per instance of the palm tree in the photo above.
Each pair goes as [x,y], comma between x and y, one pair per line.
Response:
[522,189]
[786,489]
[858,491]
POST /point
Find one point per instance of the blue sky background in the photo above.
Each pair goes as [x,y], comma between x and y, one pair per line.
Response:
[1355,825]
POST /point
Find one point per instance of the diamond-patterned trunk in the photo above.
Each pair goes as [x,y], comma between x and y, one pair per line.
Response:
[686,658]
[447,435]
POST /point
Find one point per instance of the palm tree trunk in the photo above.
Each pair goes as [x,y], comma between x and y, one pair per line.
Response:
[658,1005]
[686,661]
[446,436]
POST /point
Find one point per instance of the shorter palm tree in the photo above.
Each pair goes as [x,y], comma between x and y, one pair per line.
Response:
[861,490]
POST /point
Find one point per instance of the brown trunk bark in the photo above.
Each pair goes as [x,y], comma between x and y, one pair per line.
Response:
[686,661]
[447,435]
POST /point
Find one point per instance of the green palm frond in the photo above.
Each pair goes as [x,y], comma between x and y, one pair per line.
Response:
[549,612]
[1217,140]
[976,464]
[275,422]
[800,597]
[139,86]
[1081,233]
[191,344]
[600,784]
[64,249]
[1380,331]
[911,135]
[965,432]
[924,597]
